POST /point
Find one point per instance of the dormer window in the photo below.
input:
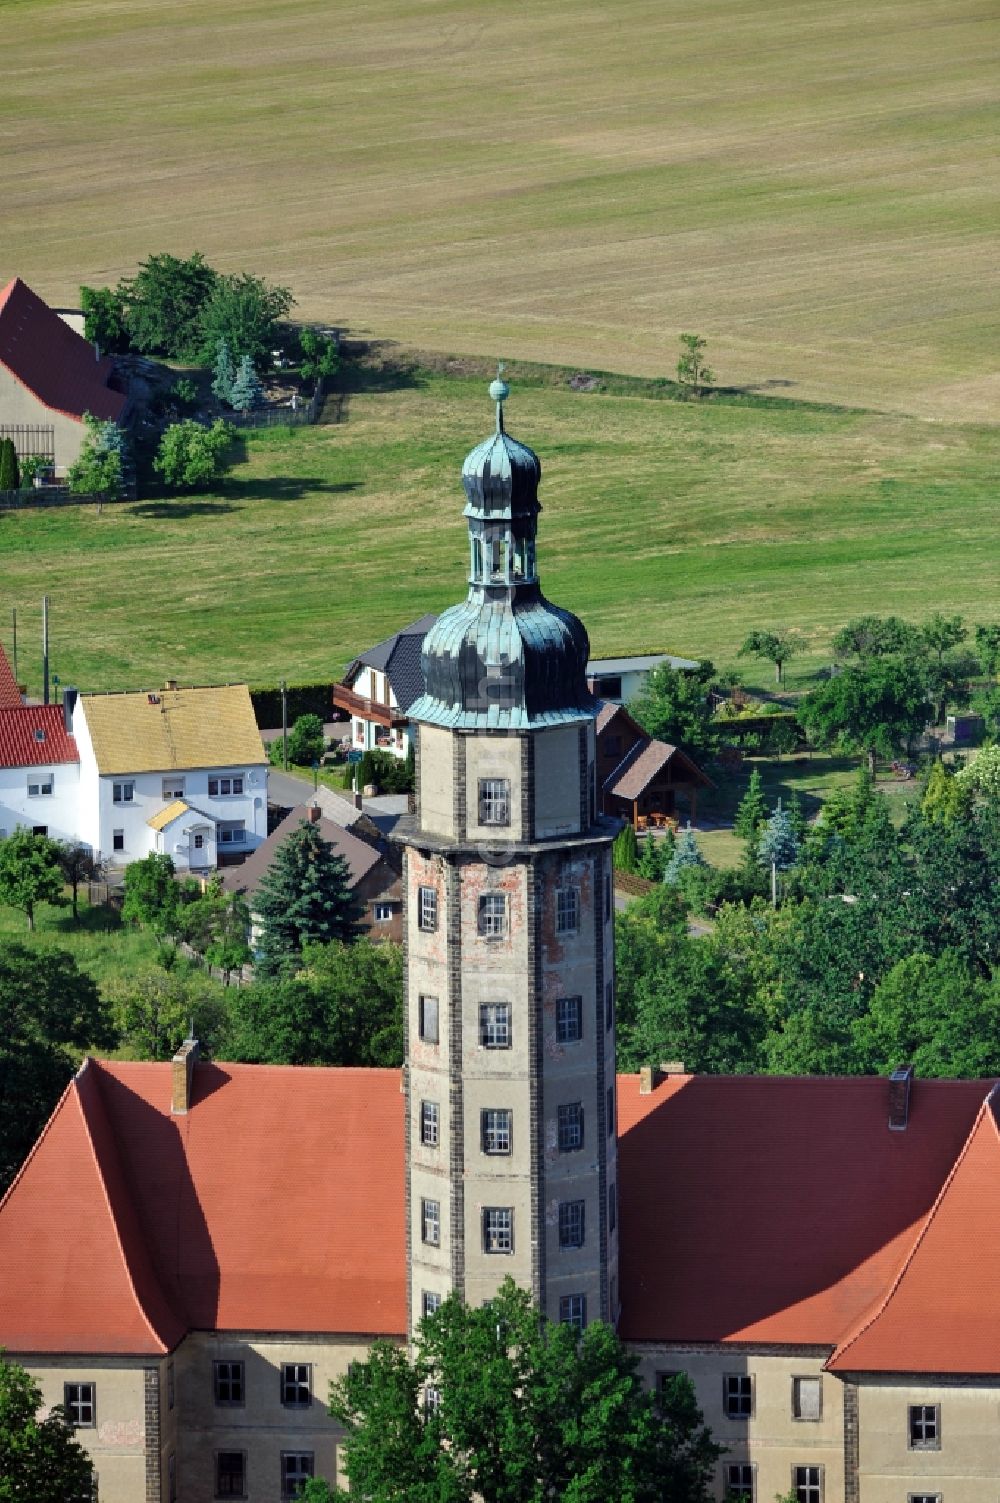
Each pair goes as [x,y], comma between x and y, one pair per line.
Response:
[39,734]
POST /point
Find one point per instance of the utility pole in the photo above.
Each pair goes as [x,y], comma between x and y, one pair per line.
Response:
[13,617]
[45,649]
[284,725]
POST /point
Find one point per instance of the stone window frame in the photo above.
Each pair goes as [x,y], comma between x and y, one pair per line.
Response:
[498,1230]
[494,802]
[925,1418]
[808,1490]
[572,1224]
[290,1484]
[739,1396]
[490,1031]
[429,1018]
[296,1390]
[567,910]
[569,1020]
[797,1380]
[573,1310]
[492,915]
[430,1124]
[228,1490]
[430,1222]
[734,1487]
[427,909]
[496,1132]
[80,1403]
[430,1301]
[234,1376]
[570,1124]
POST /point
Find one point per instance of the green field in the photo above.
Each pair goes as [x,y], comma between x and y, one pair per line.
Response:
[811,185]
[667,525]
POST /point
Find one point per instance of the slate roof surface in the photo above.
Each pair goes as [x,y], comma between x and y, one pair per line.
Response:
[173,729]
[19,743]
[399,658]
[54,362]
[839,1227]
[359,855]
[10,698]
[943,1311]
[777,1210]
[153,1224]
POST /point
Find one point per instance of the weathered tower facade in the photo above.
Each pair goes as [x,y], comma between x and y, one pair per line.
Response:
[510,1085]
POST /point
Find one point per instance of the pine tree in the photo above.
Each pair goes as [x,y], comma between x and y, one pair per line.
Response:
[752,811]
[10,479]
[625,853]
[797,815]
[653,859]
[686,854]
[304,897]
[778,845]
[225,373]
[246,389]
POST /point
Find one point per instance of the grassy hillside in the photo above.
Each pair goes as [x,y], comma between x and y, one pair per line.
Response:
[812,185]
[666,525]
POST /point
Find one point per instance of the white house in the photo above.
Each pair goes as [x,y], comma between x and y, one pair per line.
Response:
[39,772]
[621,679]
[182,772]
[379,687]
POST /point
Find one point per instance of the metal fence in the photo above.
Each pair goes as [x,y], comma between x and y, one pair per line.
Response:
[31,438]
[41,495]
[285,417]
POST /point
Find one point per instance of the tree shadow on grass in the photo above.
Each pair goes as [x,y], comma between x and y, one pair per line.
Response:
[181,508]
[285,488]
[368,368]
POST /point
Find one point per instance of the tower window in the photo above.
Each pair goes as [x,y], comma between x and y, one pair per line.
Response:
[612,1207]
[569,1020]
[567,910]
[609,1004]
[807,1484]
[498,1229]
[607,897]
[611,1110]
[494,1025]
[427,908]
[740,1482]
[429,1124]
[296,1385]
[80,1404]
[228,1382]
[430,1218]
[493,915]
[428,1021]
[230,1474]
[571,1127]
[807,1398]
[430,1302]
[494,801]
[573,1310]
[296,1469]
[495,1124]
[924,1427]
[572,1215]
[737,1395]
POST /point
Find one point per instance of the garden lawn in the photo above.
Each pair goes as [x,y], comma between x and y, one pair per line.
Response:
[666,526]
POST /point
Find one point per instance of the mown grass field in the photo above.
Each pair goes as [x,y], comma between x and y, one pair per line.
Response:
[811,185]
[667,525]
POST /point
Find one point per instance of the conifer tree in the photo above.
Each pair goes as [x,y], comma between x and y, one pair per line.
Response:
[225,373]
[778,845]
[10,479]
[751,813]
[686,854]
[246,390]
[625,853]
[653,858]
[305,897]
[797,815]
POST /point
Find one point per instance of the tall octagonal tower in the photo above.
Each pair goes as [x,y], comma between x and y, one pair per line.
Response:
[510,1085]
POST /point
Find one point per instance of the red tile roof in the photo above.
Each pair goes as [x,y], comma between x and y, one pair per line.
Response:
[759,1209]
[276,1203]
[753,1210]
[54,362]
[942,1313]
[10,699]
[19,742]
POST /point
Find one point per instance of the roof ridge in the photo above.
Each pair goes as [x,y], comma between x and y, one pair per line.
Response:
[102,1179]
[876,1314]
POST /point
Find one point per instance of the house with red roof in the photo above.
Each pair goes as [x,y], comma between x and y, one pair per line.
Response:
[49,377]
[10,694]
[39,772]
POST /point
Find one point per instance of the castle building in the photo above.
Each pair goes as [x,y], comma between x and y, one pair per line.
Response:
[510,1123]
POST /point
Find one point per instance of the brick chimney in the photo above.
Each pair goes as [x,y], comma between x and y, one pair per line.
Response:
[314,814]
[182,1076]
[69,699]
[672,1067]
[900,1082]
[649,1079]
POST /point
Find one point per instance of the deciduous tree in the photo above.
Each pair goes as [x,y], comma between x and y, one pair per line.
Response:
[674,707]
[306,741]
[30,872]
[245,311]
[164,303]
[41,1460]
[191,455]
[876,708]
[99,470]
[931,1012]
[79,864]
[693,372]
[319,355]
[525,1411]
[104,319]
[874,637]
[774,646]
[154,1009]
[152,897]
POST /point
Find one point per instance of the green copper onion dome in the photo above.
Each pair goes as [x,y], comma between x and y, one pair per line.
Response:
[505,658]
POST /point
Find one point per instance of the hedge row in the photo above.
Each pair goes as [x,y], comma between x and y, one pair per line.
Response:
[303,699]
